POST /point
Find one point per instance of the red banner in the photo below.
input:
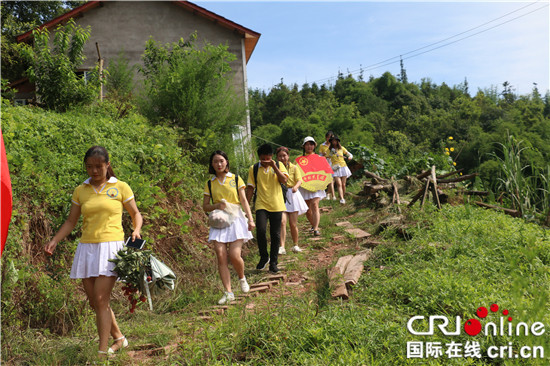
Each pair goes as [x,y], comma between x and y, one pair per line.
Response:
[316,172]
[5,195]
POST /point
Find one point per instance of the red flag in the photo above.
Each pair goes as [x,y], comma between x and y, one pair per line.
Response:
[5,195]
[317,173]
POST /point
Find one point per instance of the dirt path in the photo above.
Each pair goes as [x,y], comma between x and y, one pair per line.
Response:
[294,279]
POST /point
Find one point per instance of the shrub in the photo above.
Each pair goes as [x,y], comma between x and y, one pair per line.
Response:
[190,87]
[54,70]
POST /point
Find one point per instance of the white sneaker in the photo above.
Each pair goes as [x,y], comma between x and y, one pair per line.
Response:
[244,285]
[227,297]
[282,250]
[296,249]
[342,201]
[334,198]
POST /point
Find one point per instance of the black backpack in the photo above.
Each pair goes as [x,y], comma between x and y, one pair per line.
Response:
[284,188]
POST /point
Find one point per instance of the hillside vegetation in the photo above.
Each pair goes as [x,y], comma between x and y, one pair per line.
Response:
[45,152]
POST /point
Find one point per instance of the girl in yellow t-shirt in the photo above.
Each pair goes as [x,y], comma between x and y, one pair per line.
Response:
[312,199]
[227,188]
[100,200]
[341,171]
[295,204]
[323,151]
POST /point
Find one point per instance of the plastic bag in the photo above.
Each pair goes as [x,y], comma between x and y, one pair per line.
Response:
[221,219]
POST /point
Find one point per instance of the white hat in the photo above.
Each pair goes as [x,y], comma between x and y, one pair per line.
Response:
[308,139]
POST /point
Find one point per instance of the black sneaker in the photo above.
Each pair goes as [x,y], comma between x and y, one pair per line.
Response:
[262,264]
[273,268]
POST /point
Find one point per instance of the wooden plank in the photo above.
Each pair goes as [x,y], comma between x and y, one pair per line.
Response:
[355,268]
[336,278]
[261,284]
[258,289]
[276,277]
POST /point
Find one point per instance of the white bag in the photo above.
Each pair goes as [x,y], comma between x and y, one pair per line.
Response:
[220,219]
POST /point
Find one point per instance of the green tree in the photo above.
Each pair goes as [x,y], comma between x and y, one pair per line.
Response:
[53,70]
[190,87]
[17,18]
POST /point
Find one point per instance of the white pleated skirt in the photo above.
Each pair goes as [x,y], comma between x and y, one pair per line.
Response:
[343,171]
[92,259]
[295,202]
[308,195]
[237,230]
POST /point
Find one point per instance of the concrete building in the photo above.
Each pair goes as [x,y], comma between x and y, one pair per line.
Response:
[127,25]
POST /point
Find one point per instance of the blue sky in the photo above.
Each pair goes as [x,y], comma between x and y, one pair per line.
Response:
[312,41]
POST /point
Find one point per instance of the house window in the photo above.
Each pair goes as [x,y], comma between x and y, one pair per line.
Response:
[85,74]
[20,101]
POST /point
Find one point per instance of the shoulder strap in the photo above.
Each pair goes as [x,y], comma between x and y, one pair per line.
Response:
[256,167]
[237,185]
[210,190]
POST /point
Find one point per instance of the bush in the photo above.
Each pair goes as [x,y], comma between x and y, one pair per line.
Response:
[54,70]
[190,87]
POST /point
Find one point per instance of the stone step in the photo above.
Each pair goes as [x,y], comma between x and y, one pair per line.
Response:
[358,233]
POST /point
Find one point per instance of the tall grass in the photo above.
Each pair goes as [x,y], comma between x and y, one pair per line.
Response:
[513,180]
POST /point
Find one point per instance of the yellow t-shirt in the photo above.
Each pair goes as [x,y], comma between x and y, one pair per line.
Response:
[337,158]
[269,194]
[294,175]
[323,149]
[224,190]
[102,210]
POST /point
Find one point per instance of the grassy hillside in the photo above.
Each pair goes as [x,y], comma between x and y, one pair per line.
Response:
[45,152]
[452,262]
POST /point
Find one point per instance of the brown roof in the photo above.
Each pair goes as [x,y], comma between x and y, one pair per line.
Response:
[250,37]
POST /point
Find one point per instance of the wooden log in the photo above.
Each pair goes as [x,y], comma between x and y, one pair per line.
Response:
[423,174]
[355,268]
[426,187]
[396,196]
[449,174]
[336,277]
[371,189]
[416,197]
[376,178]
[459,179]
[513,213]
[434,189]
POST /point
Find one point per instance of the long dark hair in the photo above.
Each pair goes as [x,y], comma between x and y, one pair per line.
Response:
[211,169]
[100,151]
[337,139]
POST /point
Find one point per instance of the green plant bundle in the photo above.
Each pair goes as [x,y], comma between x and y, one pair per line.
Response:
[131,265]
